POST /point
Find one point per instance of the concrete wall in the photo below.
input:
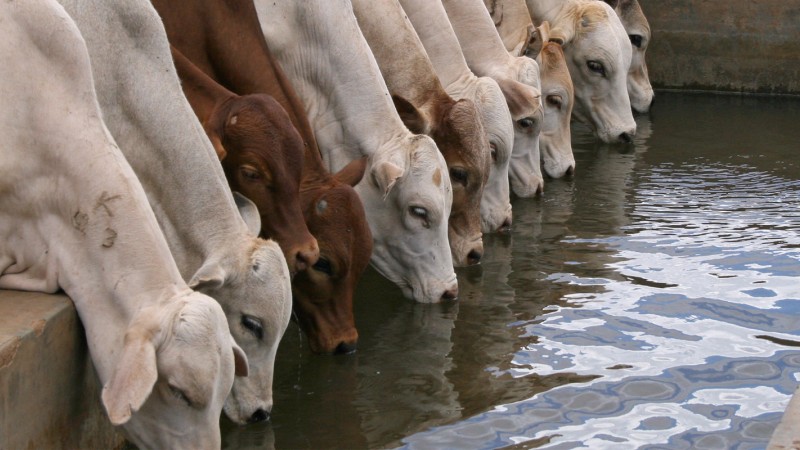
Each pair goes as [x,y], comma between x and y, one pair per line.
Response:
[49,392]
[739,45]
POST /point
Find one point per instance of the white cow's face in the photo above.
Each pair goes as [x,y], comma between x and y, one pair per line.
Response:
[558,97]
[408,200]
[258,307]
[599,59]
[495,202]
[638,29]
[525,104]
[182,360]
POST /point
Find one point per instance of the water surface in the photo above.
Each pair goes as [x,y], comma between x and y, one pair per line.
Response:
[653,301]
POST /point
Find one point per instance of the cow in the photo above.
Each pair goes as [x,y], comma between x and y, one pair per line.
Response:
[426,108]
[515,27]
[322,296]
[441,45]
[406,191]
[639,89]
[216,247]
[73,216]
[598,54]
[518,78]
[261,154]
[559,98]
[513,24]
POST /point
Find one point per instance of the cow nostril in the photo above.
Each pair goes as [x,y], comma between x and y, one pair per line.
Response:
[626,138]
[473,257]
[346,348]
[570,171]
[506,226]
[450,294]
[259,416]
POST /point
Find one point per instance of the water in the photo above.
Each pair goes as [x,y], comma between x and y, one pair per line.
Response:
[651,302]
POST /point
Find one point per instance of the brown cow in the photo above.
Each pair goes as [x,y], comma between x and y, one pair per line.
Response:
[223,38]
[261,154]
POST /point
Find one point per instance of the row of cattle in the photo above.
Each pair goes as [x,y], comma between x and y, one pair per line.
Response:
[149,145]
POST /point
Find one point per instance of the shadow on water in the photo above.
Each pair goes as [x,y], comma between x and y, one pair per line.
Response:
[646,300]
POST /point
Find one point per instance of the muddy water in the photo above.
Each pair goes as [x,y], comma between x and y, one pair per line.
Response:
[651,302]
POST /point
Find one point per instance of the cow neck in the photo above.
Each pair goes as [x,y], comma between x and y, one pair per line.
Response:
[482,47]
[400,55]
[541,10]
[204,94]
[356,98]
[164,143]
[437,36]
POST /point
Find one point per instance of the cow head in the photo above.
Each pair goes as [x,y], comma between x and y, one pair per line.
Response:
[258,307]
[407,196]
[558,97]
[458,132]
[598,53]
[525,104]
[638,29]
[263,159]
[323,295]
[495,203]
[173,374]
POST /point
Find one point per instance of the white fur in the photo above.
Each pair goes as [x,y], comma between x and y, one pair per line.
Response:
[430,22]
[74,216]
[321,49]
[486,56]
[146,111]
[600,101]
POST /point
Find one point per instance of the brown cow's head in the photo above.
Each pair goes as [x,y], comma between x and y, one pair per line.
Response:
[323,295]
[263,159]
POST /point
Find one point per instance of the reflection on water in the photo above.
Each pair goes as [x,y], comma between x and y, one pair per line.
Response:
[650,302]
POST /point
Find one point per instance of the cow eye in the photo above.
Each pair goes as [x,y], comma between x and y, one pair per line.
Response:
[177,393]
[421,213]
[250,173]
[596,67]
[459,174]
[253,325]
[324,266]
[636,40]
[493,147]
[526,123]
[554,100]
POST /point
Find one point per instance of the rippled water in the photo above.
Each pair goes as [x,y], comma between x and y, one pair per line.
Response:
[651,302]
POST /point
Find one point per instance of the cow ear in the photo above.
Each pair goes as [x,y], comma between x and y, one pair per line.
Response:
[209,276]
[249,212]
[518,96]
[239,360]
[527,46]
[216,140]
[353,172]
[385,174]
[562,35]
[133,379]
[409,114]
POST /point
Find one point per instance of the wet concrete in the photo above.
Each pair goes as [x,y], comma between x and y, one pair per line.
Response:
[740,46]
[49,392]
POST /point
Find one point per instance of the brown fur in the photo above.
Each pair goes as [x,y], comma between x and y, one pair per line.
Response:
[224,39]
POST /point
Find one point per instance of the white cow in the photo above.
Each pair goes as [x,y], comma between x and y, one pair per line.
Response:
[598,54]
[426,108]
[518,78]
[515,27]
[73,216]
[406,190]
[146,111]
[440,42]
[639,89]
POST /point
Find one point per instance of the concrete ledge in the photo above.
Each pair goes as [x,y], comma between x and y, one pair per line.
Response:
[49,392]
